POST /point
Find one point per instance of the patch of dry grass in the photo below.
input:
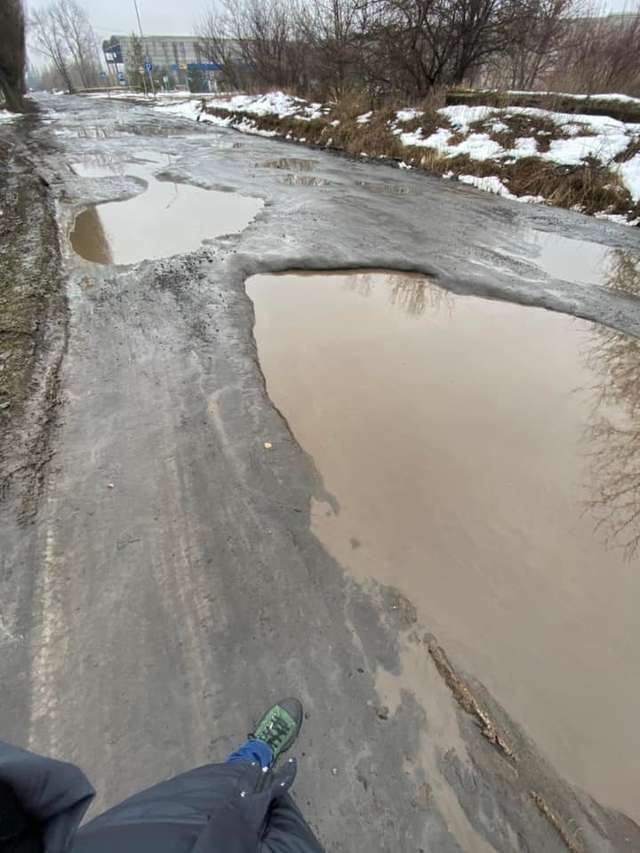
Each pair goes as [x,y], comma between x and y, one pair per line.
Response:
[591,187]
[374,137]
[630,151]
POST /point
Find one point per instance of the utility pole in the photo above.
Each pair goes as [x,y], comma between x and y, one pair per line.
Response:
[146,58]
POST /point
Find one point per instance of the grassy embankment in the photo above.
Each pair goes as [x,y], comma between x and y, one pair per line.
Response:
[592,186]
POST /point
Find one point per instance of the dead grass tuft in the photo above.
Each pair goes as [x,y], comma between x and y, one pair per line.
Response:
[630,151]
[591,187]
[352,104]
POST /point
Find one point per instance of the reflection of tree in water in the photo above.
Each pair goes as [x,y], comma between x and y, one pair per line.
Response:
[624,272]
[614,431]
[410,292]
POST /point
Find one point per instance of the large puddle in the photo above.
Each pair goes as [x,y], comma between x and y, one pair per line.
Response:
[167,218]
[485,459]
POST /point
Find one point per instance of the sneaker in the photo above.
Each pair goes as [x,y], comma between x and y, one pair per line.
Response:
[280,726]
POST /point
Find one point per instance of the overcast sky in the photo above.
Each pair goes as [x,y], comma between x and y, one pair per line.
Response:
[173,17]
[159,17]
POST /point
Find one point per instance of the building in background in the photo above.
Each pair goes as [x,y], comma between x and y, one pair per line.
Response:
[176,60]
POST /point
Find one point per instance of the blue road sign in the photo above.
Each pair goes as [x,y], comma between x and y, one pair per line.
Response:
[204,66]
[121,76]
[148,67]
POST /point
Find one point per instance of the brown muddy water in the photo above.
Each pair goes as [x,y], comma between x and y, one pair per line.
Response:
[484,459]
[167,218]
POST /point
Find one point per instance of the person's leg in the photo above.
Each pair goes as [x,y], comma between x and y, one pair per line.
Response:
[287,831]
[274,734]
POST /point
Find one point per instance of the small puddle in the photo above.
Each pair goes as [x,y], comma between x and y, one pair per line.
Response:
[586,263]
[383,189]
[167,218]
[290,164]
[473,447]
[305,181]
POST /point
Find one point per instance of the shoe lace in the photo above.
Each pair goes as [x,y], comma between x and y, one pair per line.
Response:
[275,733]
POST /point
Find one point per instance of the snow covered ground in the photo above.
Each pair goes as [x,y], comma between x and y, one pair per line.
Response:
[272,103]
[5,115]
[600,137]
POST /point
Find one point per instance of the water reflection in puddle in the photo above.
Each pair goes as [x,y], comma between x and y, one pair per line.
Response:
[586,263]
[166,219]
[290,164]
[473,447]
[384,189]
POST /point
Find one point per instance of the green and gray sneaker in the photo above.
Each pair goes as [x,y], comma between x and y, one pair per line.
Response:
[280,726]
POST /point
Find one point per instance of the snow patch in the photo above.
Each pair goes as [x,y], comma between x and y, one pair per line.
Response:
[630,174]
[491,184]
[599,137]
[271,103]
[408,114]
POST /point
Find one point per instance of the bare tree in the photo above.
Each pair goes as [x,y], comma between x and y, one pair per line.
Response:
[410,47]
[413,45]
[12,54]
[50,41]
[332,32]
[257,42]
[80,39]
[600,54]
[217,45]
[537,36]
[62,32]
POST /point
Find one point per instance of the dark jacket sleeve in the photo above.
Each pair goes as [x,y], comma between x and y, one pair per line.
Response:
[19,832]
[53,794]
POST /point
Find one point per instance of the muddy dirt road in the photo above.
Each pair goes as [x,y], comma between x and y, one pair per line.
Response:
[169,569]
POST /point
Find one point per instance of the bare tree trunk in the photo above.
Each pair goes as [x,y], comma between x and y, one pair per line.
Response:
[12,55]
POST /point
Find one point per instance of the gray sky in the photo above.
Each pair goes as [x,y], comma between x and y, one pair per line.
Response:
[159,17]
[177,17]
